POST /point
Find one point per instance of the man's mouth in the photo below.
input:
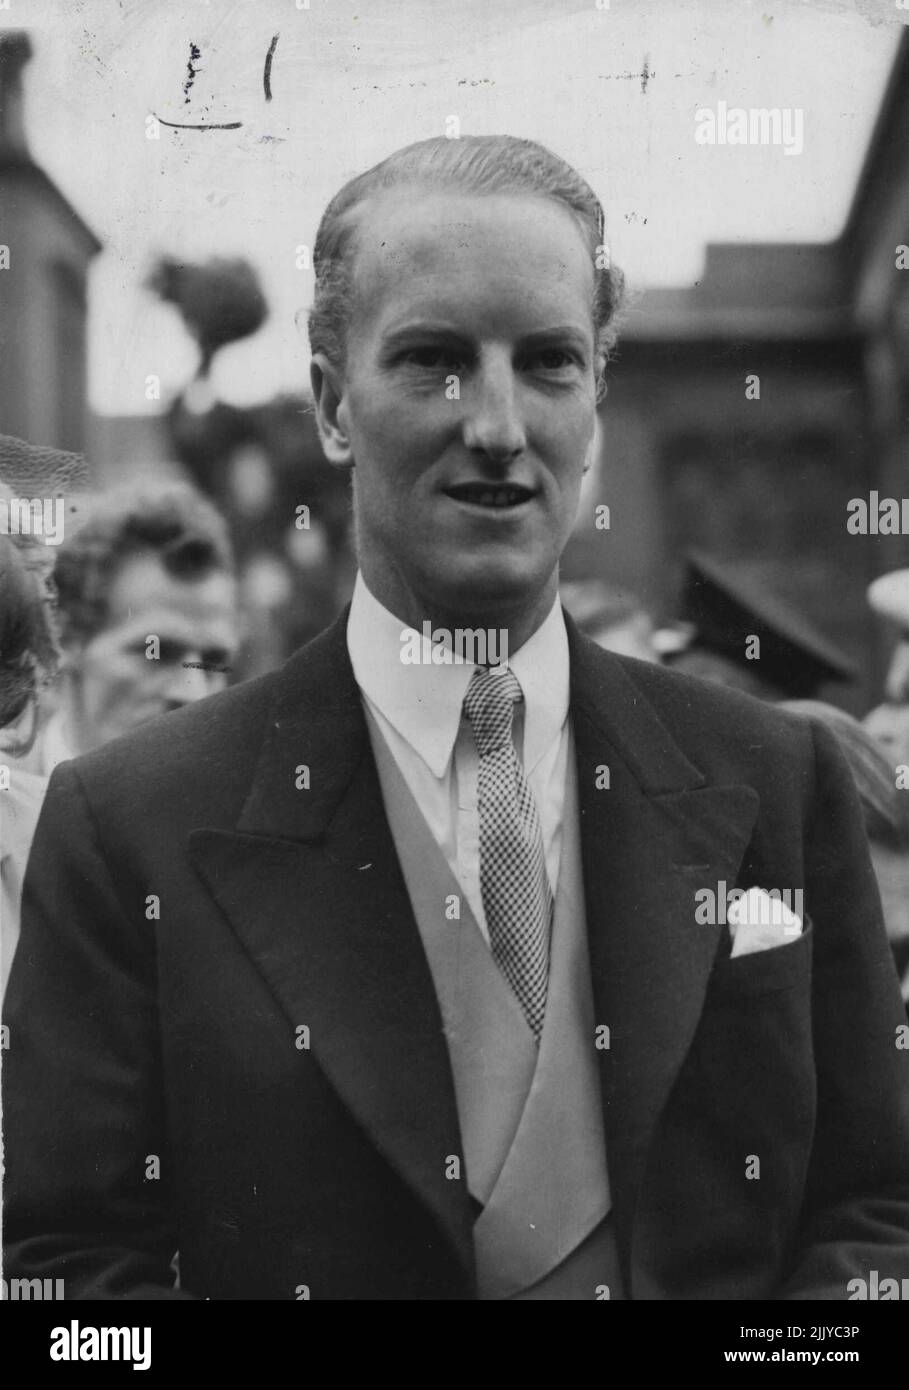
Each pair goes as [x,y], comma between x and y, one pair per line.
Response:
[496,495]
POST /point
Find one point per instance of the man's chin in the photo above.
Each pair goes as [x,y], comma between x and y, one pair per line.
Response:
[488,588]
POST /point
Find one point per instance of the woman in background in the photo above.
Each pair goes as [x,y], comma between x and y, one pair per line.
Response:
[28,659]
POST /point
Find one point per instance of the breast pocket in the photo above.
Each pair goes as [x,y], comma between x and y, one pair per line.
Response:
[754,1055]
[787,966]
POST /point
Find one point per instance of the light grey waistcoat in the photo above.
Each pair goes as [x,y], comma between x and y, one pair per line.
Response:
[531,1118]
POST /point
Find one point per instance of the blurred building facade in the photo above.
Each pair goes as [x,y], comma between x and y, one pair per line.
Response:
[43,289]
[693,456]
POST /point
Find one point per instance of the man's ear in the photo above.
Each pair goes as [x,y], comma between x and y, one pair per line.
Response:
[328,392]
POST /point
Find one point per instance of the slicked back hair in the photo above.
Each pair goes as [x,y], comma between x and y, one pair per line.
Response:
[480,164]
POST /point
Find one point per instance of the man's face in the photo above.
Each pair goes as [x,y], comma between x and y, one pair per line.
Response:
[114,686]
[468,402]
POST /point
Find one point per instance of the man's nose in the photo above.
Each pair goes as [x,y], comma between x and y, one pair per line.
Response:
[492,421]
[897,683]
[191,681]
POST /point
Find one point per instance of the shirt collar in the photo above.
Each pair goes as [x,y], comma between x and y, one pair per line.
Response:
[423,701]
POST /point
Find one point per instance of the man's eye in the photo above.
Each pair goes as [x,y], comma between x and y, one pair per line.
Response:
[432,358]
[553,359]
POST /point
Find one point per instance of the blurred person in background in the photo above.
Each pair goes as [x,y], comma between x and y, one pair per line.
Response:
[886,811]
[148,615]
[28,659]
[614,618]
[888,722]
[746,638]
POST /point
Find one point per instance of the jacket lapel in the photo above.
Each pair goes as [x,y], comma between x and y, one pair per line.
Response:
[649,842]
[311,884]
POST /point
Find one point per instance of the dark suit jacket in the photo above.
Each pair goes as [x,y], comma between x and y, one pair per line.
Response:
[283,1165]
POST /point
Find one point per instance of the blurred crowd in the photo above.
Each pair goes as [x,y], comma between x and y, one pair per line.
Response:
[141,609]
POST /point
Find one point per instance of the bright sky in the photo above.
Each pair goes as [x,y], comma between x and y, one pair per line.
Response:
[354,79]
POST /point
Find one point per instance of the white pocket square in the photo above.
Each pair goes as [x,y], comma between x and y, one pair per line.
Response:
[758,921]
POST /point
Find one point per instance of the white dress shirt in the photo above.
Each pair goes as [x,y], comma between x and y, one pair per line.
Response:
[419,711]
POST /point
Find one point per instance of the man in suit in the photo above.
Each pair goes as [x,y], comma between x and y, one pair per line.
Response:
[384,976]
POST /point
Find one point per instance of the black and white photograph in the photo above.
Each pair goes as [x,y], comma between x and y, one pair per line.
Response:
[454,663]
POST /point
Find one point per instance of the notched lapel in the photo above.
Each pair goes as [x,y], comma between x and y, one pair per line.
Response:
[312,887]
[649,843]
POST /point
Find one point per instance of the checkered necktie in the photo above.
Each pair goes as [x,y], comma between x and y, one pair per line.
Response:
[517,898]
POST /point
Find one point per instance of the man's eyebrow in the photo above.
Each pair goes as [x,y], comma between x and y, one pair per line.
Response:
[435,329]
[423,328]
[567,332]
